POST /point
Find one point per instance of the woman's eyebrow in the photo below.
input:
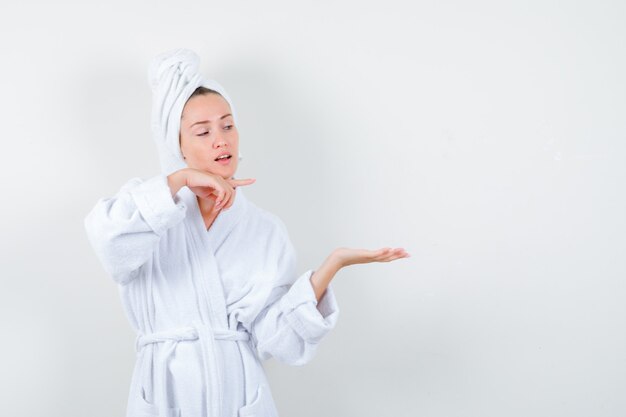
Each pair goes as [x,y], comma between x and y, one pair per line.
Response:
[208,121]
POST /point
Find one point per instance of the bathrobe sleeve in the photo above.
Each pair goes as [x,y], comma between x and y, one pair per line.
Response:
[292,322]
[125,230]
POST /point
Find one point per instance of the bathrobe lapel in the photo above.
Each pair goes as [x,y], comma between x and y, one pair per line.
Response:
[226,221]
[207,244]
[211,296]
[208,281]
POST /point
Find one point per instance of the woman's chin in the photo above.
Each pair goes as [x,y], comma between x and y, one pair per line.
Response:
[225,172]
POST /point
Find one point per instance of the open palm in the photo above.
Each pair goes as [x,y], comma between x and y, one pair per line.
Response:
[349,256]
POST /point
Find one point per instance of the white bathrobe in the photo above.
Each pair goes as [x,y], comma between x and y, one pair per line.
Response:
[208,306]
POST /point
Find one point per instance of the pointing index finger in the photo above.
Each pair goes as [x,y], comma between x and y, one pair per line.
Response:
[247,181]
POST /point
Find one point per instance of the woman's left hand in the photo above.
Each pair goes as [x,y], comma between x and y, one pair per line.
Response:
[348,256]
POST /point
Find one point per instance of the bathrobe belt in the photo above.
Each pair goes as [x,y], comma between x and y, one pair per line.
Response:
[205,335]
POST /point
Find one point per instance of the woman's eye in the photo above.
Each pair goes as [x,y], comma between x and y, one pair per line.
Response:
[202,134]
[228,127]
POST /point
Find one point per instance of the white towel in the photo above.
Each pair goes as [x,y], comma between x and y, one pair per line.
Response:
[173,76]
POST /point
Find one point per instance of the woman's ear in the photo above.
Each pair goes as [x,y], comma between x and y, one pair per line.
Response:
[179,143]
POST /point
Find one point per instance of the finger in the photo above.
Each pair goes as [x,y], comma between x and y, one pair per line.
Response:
[385,258]
[236,183]
[232,201]
[231,197]
[389,254]
[396,254]
[221,194]
[227,197]
[391,258]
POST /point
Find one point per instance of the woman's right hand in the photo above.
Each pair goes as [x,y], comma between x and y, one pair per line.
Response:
[207,185]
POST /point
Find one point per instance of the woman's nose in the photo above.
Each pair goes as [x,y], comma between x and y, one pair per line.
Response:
[218,140]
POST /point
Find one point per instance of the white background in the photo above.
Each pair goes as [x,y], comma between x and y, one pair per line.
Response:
[487,138]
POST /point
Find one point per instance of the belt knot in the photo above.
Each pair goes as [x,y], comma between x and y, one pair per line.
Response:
[197,331]
[187,333]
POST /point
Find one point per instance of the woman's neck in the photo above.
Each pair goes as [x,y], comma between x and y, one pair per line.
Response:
[206,206]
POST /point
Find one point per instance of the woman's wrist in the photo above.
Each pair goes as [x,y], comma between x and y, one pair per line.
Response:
[335,260]
[177,180]
[323,275]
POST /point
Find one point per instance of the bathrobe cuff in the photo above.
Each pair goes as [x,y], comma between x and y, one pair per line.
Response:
[154,200]
[312,320]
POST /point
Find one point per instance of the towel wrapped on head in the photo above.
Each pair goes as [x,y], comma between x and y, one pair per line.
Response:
[173,76]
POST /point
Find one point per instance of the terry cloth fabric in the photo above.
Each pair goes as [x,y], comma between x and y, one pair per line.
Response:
[208,306]
[173,76]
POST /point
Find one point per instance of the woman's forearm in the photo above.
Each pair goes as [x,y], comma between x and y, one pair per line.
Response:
[323,275]
[177,180]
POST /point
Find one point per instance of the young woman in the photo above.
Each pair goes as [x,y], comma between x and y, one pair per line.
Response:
[207,278]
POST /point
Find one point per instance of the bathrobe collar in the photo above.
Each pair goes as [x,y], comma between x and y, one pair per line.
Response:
[223,224]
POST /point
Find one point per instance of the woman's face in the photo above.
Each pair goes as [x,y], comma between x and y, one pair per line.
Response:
[207,130]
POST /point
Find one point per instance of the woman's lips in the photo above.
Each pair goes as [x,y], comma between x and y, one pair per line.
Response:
[224,161]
